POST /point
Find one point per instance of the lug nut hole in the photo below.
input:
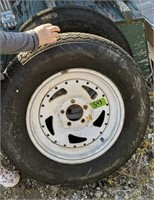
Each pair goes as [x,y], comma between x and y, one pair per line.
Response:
[69,123]
[62,111]
[83,120]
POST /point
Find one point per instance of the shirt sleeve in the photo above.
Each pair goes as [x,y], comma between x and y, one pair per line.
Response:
[16,42]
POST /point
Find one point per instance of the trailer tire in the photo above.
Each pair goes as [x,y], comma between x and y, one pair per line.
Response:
[29,77]
[78,19]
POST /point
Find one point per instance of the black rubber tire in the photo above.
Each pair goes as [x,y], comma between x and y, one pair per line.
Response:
[27,72]
[74,19]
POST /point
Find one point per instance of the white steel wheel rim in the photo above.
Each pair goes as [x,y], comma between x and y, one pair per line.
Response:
[64,120]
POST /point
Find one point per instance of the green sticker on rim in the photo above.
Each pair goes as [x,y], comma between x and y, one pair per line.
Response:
[98,103]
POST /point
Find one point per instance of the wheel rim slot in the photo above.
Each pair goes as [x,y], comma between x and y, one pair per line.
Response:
[49,124]
[75,139]
[92,93]
[59,93]
[99,121]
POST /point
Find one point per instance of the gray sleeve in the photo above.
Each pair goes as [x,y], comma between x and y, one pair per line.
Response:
[16,42]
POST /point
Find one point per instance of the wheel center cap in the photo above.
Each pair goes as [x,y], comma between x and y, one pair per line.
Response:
[74,112]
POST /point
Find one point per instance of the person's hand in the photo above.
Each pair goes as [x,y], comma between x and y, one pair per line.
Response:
[47,33]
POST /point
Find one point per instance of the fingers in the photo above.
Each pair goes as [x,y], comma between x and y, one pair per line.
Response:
[47,33]
[54,29]
[54,35]
[47,25]
[53,40]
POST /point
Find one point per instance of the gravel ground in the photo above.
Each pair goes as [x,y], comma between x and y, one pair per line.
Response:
[133,181]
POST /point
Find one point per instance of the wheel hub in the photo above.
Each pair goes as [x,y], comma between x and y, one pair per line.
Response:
[74,113]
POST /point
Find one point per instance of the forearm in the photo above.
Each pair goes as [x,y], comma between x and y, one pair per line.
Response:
[14,42]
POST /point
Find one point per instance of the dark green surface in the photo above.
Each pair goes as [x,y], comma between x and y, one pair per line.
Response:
[135,34]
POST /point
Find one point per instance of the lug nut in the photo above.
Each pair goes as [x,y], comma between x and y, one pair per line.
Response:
[72,101]
[85,107]
[62,111]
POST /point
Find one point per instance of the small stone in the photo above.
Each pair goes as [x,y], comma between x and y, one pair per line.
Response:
[126,197]
[134,157]
[47,186]
[98,188]
[105,195]
[126,187]
[98,194]
[129,182]
[149,136]
[54,189]
[116,197]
